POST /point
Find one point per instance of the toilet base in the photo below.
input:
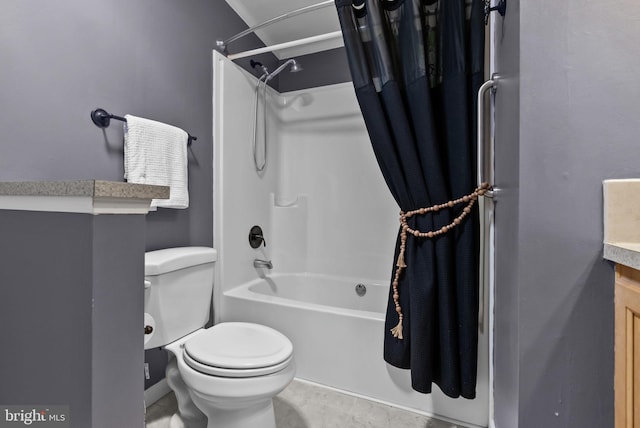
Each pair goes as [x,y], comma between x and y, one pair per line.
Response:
[177,422]
[257,414]
[188,416]
[235,414]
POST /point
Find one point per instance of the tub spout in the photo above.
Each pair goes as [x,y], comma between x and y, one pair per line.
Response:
[257,263]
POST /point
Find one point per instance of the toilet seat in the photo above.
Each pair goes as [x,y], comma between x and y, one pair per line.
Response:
[235,373]
[237,349]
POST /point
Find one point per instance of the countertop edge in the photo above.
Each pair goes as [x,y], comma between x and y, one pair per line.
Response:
[86,188]
[80,196]
[621,255]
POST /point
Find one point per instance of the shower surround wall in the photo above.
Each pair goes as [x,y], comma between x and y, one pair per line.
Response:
[321,201]
[325,210]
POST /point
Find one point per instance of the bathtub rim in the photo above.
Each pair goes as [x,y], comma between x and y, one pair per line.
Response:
[243,291]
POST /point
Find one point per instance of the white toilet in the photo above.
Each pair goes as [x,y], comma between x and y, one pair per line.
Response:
[224,376]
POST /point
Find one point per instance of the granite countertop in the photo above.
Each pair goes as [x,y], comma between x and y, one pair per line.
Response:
[624,253]
[80,196]
[89,188]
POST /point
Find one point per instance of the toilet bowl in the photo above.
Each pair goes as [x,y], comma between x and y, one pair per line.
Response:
[224,376]
[232,380]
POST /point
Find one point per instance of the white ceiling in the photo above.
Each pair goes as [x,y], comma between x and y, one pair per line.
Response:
[319,21]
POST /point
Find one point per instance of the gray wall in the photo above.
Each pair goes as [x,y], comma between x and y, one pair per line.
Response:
[39,369]
[579,109]
[118,306]
[71,309]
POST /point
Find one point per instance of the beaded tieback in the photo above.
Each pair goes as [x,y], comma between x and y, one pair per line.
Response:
[400,263]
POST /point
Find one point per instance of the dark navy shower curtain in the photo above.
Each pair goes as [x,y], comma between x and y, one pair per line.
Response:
[416,67]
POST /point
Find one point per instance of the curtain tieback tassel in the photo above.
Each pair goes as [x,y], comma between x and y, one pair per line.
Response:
[469,199]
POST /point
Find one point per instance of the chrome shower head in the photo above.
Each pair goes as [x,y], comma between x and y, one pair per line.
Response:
[295,67]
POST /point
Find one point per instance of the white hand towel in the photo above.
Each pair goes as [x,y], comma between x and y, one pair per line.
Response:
[156,153]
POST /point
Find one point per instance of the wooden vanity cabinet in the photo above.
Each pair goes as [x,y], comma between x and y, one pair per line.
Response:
[627,347]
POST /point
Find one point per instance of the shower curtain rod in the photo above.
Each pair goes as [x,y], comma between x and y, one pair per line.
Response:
[221,45]
[285,45]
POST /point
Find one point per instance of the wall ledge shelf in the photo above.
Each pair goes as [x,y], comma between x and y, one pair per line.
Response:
[80,196]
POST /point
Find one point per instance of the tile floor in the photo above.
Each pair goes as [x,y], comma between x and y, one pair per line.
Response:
[306,405]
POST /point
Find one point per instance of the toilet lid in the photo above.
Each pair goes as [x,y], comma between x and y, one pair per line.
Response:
[237,349]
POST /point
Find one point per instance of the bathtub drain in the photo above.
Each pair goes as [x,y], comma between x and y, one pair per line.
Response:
[361,289]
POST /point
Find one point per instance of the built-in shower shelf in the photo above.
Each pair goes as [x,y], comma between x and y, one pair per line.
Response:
[289,203]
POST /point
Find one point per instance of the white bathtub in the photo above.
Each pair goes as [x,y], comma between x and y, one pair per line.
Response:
[338,338]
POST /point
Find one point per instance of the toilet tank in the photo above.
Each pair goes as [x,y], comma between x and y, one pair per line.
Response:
[178,290]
